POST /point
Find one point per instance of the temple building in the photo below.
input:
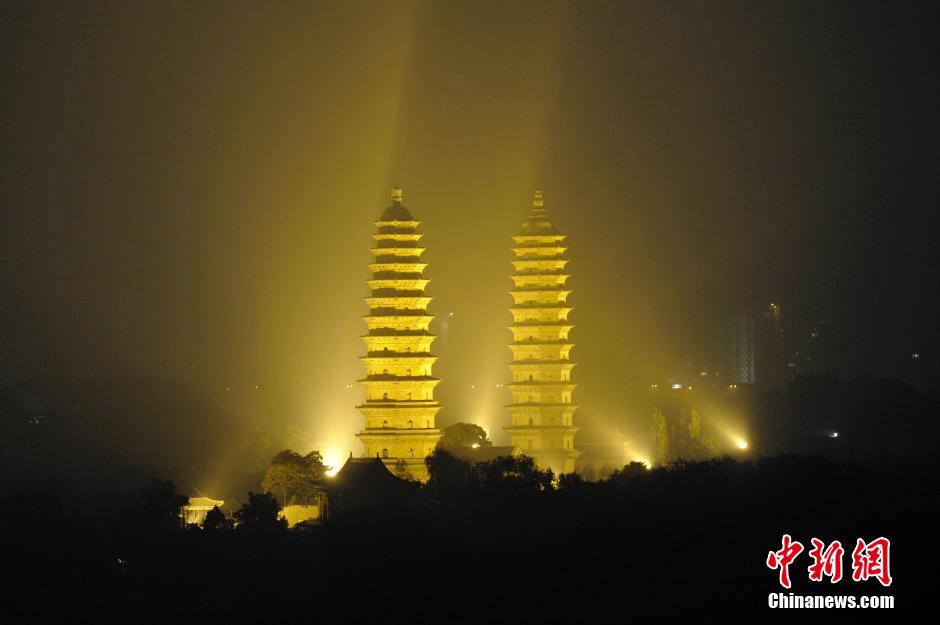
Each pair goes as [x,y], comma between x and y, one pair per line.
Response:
[399,407]
[541,408]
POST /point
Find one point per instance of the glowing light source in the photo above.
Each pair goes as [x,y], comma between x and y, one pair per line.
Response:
[834,435]
[333,457]
[741,443]
[475,445]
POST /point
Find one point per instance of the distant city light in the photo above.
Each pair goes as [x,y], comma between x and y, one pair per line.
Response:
[834,435]
[676,386]
[475,445]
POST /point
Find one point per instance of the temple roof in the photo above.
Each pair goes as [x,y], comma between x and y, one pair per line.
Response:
[367,474]
[397,211]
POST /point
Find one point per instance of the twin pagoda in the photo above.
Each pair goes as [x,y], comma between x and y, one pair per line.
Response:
[400,409]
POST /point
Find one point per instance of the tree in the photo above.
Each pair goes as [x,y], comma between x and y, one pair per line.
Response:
[628,472]
[450,476]
[216,520]
[160,505]
[679,433]
[401,471]
[291,476]
[660,436]
[260,513]
[463,435]
[516,473]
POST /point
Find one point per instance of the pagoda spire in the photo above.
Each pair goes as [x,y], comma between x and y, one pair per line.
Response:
[541,408]
[538,206]
[399,409]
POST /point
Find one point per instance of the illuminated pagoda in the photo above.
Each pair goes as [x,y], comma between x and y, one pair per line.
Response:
[541,387]
[399,409]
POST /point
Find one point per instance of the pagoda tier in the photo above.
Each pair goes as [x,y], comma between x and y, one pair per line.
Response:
[541,387]
[399,408]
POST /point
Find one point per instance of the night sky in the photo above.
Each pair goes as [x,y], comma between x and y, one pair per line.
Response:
[188,189]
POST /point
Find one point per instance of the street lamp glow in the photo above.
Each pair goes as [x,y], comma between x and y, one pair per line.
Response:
[741,443]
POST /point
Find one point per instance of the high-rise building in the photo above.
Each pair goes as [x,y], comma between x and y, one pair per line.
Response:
[400,408]
[757,354]
[770,348]
[742,357]
[541,408]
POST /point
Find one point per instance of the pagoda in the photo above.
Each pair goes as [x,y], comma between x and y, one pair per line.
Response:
[541,387]
[399,406]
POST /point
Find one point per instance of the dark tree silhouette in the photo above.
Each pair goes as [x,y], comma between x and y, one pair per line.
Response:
[260,513]
[450,476]
[216,520]
[160,506]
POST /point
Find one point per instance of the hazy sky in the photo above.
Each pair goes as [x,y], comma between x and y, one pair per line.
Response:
[188,189]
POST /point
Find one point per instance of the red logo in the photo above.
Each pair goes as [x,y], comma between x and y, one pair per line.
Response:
[782,559]
[827,561]
[872,560]
[869,560]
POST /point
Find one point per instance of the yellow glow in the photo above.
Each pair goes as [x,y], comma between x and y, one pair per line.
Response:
[333,458]
[741,443]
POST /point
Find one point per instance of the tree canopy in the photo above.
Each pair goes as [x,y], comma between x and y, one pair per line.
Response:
[291,476]
[463,435]
[260,512]
[216,520]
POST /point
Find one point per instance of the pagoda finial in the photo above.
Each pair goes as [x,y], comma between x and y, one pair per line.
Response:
[397,195]
[537,200]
